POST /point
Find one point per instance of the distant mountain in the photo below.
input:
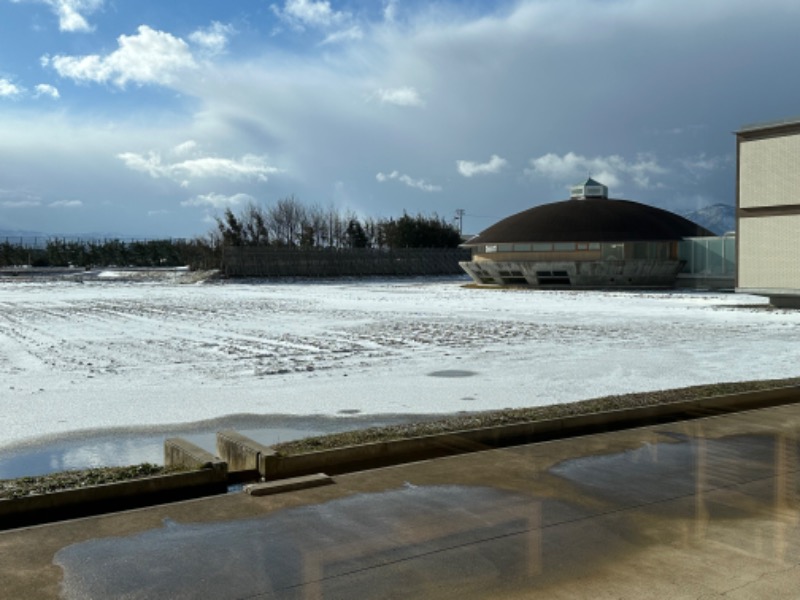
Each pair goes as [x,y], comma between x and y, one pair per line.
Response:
[19,233]
[719,218]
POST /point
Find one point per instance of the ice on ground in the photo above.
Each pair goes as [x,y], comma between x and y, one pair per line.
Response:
[126,354]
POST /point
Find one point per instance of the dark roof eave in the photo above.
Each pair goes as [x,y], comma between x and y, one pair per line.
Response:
[590,220]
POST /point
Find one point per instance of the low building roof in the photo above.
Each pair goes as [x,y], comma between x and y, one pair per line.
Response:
[590,220]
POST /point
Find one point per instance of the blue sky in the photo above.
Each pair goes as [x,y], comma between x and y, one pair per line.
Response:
[150,117]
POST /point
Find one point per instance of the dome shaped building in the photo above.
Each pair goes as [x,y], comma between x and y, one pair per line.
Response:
[588,241]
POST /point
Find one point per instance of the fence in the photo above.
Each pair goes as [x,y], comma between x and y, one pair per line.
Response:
[249,261]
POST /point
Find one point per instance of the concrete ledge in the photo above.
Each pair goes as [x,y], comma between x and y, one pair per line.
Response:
[240,452]
[288,485]
[380,454]
[181,453]
[99,499]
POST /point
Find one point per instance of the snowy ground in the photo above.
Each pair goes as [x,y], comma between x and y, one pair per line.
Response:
[112,358]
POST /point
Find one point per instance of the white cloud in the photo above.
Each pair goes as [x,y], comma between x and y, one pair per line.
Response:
[320,15]
[213,38]
[66,204]
[702,164]
[218,200]
[150,56]
[468,168]
[71,13]
[352,34]
[419,184]
[613,170]
[402,96]
[184,148]
[44,89]
[390,11]
[20,203]
[8,89]
[248,167]
[311,13]
[643,169]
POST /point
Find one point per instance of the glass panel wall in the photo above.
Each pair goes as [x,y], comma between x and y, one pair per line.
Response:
[709,255]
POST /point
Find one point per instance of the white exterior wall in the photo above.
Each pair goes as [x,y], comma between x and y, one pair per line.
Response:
[769,172]
[768,216]
[769,253]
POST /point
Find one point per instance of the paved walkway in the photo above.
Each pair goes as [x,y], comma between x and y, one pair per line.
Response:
[700,509]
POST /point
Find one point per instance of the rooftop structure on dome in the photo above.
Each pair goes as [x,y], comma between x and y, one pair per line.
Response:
[588,241]
[588,189]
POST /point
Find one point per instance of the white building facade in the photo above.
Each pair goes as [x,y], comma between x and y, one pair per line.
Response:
[768,212]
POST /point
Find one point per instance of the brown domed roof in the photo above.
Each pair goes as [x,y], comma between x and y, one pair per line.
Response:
[591,220]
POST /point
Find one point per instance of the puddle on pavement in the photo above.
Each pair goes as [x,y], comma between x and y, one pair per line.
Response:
[656,472]
[421,540]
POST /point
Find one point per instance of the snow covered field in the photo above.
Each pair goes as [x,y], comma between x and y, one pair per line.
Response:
[115,359]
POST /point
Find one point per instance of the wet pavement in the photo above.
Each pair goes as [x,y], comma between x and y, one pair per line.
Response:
[700,509]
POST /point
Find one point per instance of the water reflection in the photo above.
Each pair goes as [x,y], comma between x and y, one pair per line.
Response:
[121,448]
[659,508]
[700,483]
[400,543]
[116,450]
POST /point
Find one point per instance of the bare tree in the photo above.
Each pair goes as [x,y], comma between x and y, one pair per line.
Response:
[315,226]
[286,219]
[289,223]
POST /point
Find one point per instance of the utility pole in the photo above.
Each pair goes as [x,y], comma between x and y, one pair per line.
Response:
[460,218]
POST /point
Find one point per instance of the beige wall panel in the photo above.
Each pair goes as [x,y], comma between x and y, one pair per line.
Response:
[769,252]
[769,172]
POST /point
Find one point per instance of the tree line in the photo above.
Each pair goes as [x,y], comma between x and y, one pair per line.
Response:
[285,224]
[88,253]
[289,223]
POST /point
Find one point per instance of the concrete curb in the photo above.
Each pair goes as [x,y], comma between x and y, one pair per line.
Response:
[382,454]
[112,497]
[271,488]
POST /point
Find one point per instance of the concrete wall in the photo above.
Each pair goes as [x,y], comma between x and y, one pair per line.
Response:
[100,499]
[180,453]
[240,452]
[581,274]
[250,261]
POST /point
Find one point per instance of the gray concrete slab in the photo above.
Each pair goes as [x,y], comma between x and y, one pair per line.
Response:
[700,509]
[291,484]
